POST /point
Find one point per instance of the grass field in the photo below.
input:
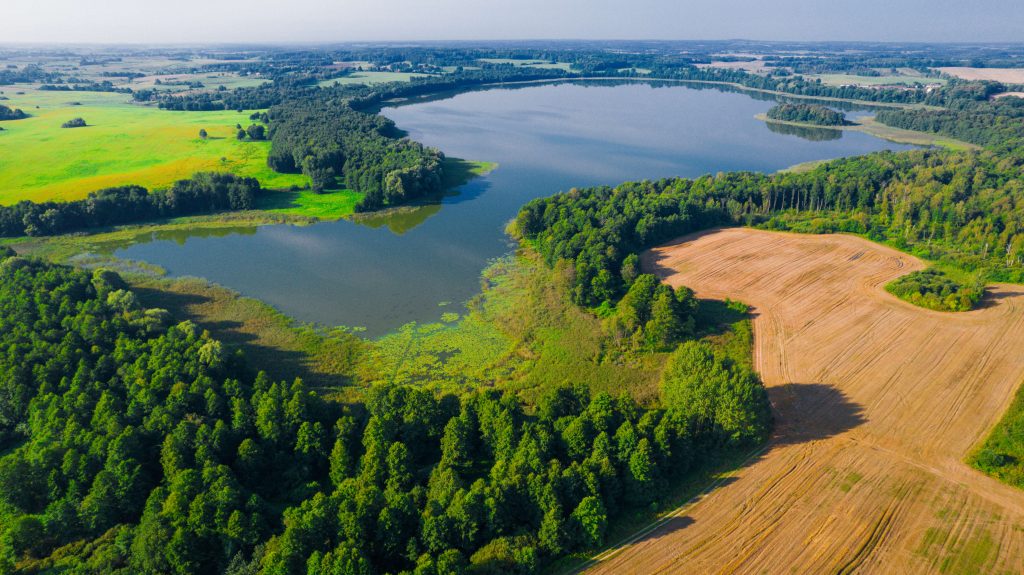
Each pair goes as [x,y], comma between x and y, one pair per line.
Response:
[123,144]
[373,78]
[210,80]
[848,79]
[1002,453]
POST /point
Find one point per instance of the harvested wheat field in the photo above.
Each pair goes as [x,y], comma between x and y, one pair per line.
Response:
[876,401]
[1005,75]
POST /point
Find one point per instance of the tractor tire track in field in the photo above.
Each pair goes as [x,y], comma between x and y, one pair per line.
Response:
[877,403]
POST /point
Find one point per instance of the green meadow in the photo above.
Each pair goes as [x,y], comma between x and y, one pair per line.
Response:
[123,144]
[529,63]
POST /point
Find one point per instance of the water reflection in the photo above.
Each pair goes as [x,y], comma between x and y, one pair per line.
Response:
[805,132]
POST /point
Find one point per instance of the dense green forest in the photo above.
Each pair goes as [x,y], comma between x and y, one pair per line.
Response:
[980,122]
[202,193]
[134,444]
[326,139]
[807,114]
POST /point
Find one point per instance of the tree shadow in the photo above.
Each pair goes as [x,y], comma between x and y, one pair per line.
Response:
[279,364]
[803,412]
[673,524]
[716,317]
[807,412]
[992,298]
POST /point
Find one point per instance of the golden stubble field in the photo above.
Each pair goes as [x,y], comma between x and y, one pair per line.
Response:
[1005,75]
[876,402]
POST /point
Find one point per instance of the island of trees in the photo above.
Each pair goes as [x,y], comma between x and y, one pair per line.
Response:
[934,289]
[7,113]
[807,114]
[74,123]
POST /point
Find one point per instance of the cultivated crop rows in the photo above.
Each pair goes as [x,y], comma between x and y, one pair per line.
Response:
[876,402]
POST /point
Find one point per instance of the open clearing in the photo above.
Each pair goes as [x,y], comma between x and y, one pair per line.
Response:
[529,63]
[889,80]
[370,78]
[877,403]
[1005,75]
[123,144]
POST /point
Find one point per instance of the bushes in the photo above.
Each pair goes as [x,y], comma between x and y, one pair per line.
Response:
[7,113]
[74,123]
[935,290]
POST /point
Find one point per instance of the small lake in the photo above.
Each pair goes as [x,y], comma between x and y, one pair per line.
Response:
[415,265]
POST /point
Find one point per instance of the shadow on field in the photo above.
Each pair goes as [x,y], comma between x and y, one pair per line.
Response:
[803,412]
[994,298]
[280,364]
[811,411]
[674,524]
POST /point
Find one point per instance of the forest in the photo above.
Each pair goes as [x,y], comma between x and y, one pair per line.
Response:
[202,193]
[325,138]
[979,122]
[960,208]
[133,443]
[807,114]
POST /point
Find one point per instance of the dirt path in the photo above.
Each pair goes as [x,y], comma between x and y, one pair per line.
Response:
[877,402]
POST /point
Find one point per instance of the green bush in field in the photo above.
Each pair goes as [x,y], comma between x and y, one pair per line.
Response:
[935,290]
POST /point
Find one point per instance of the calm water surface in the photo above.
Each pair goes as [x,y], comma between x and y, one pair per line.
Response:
[385,272]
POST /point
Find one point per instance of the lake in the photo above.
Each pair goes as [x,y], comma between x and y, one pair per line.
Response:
[413,266]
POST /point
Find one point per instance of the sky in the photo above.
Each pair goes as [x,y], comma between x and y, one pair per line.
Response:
[287,21]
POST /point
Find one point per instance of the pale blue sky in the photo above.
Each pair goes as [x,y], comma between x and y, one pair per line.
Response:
[257,21]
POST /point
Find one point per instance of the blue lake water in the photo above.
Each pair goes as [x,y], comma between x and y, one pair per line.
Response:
[386,271]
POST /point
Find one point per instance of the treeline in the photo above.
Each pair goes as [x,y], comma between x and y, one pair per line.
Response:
[202,193]
[984,123]
[7,113]
[254,98]
[83,86]
[324,138]
[966,209]
[935,290]
[132,444]
[807,114]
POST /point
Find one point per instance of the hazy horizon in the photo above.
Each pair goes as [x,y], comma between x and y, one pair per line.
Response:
[324,21]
